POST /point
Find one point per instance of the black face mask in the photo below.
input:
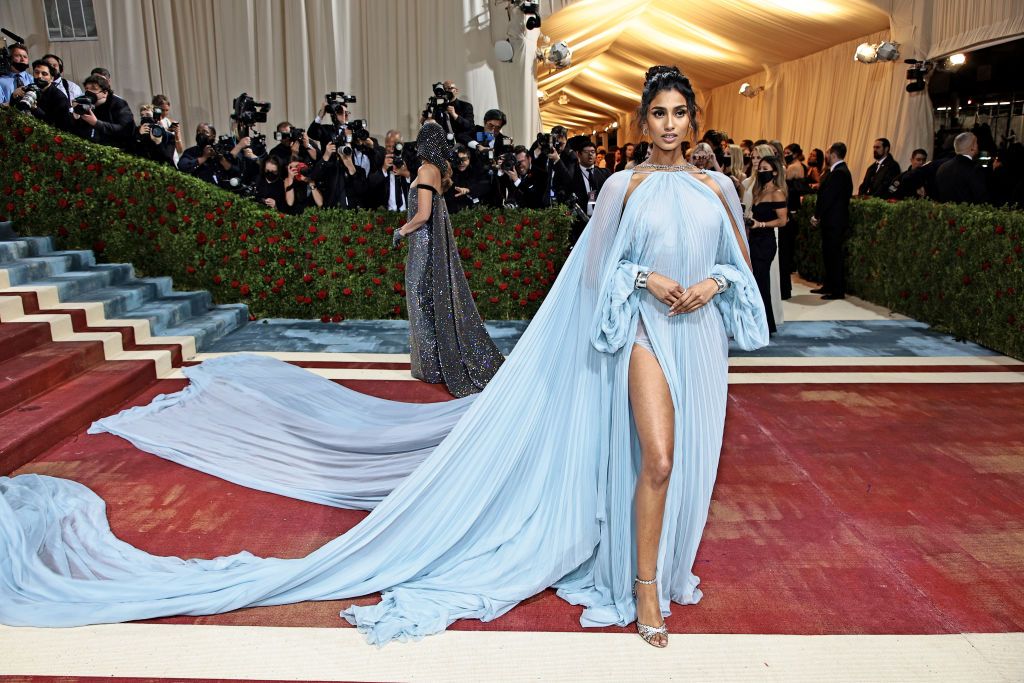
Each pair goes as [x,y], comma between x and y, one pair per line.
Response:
[20,67]
[746,158]
[203,141]
[765,177]
[40,83]
[788,158]
[271,176]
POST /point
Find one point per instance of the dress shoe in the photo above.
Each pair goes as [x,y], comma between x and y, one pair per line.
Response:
[833,297]
[819,290]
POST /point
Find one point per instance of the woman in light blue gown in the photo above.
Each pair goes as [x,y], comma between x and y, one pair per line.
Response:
[587,462]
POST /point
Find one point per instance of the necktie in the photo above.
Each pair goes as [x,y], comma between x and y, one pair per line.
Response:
[399,193]
[590,178]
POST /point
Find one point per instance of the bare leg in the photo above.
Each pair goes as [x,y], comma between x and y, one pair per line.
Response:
[654,416]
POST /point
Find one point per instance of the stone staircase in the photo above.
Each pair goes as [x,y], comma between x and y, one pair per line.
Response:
[78,339]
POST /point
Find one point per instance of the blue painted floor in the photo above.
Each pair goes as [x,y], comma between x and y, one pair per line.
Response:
[802,338]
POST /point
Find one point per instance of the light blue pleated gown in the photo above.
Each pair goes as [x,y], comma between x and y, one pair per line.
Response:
[478,503]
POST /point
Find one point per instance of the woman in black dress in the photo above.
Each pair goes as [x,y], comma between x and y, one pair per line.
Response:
[768,212]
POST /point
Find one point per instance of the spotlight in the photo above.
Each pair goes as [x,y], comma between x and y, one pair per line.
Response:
[558,55]
[563,99]
[954,62]
[503,51]
[748,90]
[869,53]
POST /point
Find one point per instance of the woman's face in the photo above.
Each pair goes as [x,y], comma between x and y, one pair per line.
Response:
[270,169]
[812,158]
[765,166]
[668,120]
[629,152]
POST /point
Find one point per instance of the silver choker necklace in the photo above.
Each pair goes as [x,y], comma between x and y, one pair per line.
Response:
[685,166]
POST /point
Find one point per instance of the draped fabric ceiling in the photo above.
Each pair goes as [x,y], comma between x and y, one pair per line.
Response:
[713,42]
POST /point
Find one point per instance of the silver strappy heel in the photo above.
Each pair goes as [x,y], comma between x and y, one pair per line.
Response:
[648,632]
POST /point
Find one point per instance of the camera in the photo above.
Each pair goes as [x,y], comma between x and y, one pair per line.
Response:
[248,111]
[352,137]
[224,145]
[544,144]
[397,159]
[6,65]
[291,136]
[84,103]
[337,102]
[29,99]
[237,186]
[155,129]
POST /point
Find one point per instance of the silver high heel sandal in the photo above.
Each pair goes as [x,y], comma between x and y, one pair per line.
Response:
[648,632]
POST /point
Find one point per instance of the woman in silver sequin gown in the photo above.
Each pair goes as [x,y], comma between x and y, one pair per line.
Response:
[447,339]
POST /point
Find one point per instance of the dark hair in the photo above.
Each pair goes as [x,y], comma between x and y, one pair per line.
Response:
[520,149]
[19,46]
[283,123]
[795,149]
[839,149]
[161,100]
[820,156]
[60,62]
[920,151]
[641,151]
[495,115]
[100,71]
[885,143]
[99,81]
[273,159]
[662,78]
[43,62]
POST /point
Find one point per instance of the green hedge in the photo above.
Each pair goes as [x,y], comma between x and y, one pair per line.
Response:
[327,264]
[958,267]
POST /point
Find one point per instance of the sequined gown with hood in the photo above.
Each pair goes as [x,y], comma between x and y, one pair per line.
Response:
[447,339]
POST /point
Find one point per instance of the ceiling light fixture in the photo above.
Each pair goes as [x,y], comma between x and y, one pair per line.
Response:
[558,55]
[869,53]
[748,90]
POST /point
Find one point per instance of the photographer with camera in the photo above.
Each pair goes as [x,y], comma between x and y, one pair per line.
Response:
[153,141]
[487,139]
[580,185]
[387,186]
[470,181]
[294,144]
[162,115]
[455,116]
[102,116]
[210,159]
[341,182]
[15,71]
[300,191]
[69,88]
[269,185]
[42,99]
[526,183]
[333,124]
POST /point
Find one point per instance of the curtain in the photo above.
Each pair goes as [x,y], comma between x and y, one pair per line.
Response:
[815,101]
[202,53]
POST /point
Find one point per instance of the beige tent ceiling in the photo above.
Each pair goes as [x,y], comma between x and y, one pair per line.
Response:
[714,42]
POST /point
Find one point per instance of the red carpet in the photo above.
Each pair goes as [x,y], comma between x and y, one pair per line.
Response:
[839,509]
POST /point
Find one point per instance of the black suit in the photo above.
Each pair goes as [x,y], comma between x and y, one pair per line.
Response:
[878,178]
[53,107]
[572,180]
[961,180]
[833,213]
[115,124]
[464,124]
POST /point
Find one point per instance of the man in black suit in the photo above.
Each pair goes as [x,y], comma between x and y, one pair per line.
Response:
[110,121]
[460,112]
[960,179]
[582,183]
[526,185]
[881,174]
[51,104]
[832,217]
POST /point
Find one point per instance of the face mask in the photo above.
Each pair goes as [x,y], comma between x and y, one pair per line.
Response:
[271,176]
[203,141]
[20,67]
[788,158]
[746,158]
[40,83]
[765,177]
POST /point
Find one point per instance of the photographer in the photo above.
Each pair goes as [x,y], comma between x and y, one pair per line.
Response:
[153,141]
[270,185]
[69,88]
[162,114]
[341,182]
[42,99]
[102,116]
[388,186]
[470,182]
[580,185]
[332,124]
[294,144]
[204,161]
[19,74]
[299,190]
[526,185]
[487,139]
[454,115]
